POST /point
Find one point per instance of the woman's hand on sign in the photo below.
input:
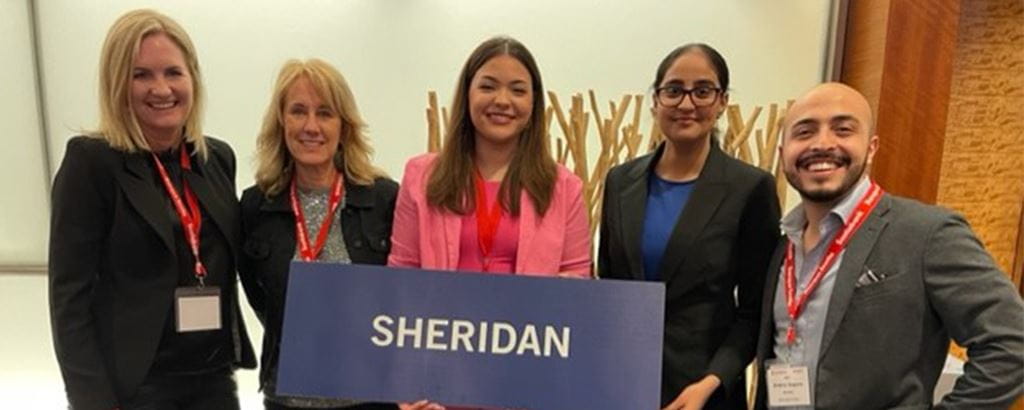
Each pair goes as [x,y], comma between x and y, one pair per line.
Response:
[695,395]
[420,405]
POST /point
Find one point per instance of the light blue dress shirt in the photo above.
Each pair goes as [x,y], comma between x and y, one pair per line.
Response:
[811,324]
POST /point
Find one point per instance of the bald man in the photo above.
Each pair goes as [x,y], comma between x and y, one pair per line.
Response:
[863,298]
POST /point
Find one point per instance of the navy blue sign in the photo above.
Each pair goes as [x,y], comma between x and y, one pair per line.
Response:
[384,334]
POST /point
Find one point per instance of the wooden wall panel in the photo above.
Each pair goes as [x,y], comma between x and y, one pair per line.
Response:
[914,96]
[864,47]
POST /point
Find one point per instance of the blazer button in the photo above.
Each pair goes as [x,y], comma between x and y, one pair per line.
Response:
[358,243]
[383,243]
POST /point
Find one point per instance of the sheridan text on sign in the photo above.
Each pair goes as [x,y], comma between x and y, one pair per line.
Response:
[486,337]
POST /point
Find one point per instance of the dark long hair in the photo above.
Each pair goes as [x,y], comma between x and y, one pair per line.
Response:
[717,64]
[532,169]
[714,57]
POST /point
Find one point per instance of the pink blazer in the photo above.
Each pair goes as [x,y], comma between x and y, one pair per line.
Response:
[426,237]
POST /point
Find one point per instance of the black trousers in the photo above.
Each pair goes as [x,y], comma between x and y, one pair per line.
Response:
[211,391]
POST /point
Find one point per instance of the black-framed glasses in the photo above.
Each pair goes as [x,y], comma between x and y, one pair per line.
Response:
[701,96]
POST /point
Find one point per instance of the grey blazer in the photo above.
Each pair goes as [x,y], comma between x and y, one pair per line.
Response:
[885,342]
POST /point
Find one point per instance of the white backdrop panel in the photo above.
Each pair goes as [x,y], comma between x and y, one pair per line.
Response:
[393,51]
[24,206]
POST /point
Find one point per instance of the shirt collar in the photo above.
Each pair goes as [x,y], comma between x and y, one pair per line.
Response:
[794,222]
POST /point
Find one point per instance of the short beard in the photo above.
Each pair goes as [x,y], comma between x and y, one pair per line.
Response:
[824,196]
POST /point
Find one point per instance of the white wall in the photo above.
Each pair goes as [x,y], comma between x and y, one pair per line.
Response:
[393,51]
[24,205]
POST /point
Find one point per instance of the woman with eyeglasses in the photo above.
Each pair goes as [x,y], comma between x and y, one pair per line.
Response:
[703,223]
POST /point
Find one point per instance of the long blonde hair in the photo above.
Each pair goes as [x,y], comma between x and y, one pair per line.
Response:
[274,164]
[118,124]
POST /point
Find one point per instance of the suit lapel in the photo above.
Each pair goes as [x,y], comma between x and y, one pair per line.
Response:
[278,203]
[771,284]
[142,193]
[528,226]
[768,301]
[708,193]
[850,269]
[633,206]
[214,205]
[766,332]
[447,239]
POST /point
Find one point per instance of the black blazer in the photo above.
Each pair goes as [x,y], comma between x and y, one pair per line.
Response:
[113,265]
[268,227]
[722,241]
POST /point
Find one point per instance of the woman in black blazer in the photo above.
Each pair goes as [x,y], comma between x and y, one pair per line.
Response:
[701,222]
[313,167]
[121,254]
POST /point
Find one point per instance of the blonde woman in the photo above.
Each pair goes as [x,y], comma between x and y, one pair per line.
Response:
[316,198]
[145,219]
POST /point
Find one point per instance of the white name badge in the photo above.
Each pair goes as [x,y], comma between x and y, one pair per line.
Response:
[197,309]
[788,385]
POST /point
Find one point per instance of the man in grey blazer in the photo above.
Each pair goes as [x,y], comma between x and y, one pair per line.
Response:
[863,298]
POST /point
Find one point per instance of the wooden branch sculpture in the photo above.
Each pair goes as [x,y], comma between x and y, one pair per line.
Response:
[621,143]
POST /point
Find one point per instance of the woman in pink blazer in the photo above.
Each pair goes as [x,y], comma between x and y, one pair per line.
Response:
[493,200]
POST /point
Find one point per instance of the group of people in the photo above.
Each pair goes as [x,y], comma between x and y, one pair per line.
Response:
[860,289]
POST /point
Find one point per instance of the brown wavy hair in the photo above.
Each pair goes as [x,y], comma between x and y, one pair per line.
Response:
[532,169]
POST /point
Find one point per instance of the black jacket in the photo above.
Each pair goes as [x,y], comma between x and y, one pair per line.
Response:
[722,242]
[268,229]
[113,264]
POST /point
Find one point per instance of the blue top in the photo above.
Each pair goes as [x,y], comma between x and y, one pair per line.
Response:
[665,201]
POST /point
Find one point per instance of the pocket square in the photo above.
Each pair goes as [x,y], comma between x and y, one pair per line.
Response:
[869,277]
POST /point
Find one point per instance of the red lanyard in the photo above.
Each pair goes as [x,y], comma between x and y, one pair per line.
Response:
[486,219]
[307,252]
[796,306]
[191,218]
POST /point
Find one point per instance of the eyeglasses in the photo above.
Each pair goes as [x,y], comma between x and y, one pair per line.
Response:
[673,95]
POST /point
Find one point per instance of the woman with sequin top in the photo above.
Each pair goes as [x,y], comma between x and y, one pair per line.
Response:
[317,198]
